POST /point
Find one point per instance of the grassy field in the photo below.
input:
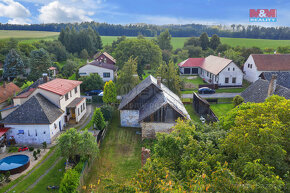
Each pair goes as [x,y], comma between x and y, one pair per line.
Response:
[119,158]
[28,36]
[178,42]
[221,109]
[192,113]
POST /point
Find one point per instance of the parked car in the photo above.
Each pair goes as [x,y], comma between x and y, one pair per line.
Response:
[206,90]
[93,92]
[22,149]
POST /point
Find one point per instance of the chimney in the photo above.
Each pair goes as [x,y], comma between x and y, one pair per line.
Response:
[159,81]
[272,85]
[45,77]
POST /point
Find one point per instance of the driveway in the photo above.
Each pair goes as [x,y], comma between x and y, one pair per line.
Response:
[216,95]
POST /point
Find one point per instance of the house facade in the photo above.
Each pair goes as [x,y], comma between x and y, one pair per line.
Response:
[213,70]
[106,71]
[104,58]
[257,64]
[152,107]
[42,112]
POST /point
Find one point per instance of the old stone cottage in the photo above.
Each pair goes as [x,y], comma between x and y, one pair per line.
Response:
[151,106]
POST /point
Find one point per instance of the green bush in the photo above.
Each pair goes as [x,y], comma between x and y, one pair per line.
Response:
[35,155]
[31,148]
[107,111]
[69,182]
[79,167]
[38,151]
[13,149]
[44,145]
[238,100]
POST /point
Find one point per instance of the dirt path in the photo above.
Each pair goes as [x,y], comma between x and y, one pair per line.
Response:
[31,171]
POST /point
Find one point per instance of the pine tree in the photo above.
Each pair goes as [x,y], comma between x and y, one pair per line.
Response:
[110,93]
[204,42]
[128,77]
[98,119]
[40,62]
[13,65]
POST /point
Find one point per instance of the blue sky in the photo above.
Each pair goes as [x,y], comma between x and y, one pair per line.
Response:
[140,11]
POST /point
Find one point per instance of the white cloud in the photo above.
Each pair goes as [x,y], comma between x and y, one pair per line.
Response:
[56,12]
[14,10]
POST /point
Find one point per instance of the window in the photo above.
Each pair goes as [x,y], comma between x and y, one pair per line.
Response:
[234,80]
[70,93]
[78,111]
[210,75]
[66,96]
[76,90]
[248,65]
[229,69]
[84,106]
[226,80]
[35,132]
[206,73]
[233,69]
[21,132]
[251,65]
[106,75]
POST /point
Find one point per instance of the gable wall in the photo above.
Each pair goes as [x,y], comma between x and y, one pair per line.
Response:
[228,72]
[88,69]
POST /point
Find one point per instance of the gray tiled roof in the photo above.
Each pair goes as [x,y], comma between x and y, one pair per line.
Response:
[258,91]
[37,110]
[75,102]
[283,78]
[166,96]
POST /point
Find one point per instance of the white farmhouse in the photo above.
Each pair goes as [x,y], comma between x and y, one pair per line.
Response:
[214,70]
[105,70]
[256,64]
[42,112]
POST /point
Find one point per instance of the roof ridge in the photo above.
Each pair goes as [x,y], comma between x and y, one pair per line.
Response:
[43,109]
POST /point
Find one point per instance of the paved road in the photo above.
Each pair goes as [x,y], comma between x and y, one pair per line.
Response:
[216,95]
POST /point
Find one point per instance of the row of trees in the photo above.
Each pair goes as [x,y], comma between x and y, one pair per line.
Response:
[188,30]
[247,151]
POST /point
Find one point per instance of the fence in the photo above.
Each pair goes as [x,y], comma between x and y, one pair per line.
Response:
[212,86]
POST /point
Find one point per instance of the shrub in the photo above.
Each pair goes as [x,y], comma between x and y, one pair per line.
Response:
[79,167]
[98,119]
[13,149]
[107,111]
[35,155]
[44,145]
[38,151]
[31,148]
[69,182]
[238,100]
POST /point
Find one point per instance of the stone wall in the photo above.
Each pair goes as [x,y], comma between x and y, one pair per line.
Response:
[149,130]
[129,118]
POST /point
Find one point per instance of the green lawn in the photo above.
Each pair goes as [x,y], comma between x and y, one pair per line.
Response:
[119,158]
[221,109]
[19,34]
[192,113]
[23,185]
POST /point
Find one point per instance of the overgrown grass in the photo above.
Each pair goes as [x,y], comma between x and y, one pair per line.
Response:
[119,158]
[193,115]
[221,109]
[53,178]
[23,185]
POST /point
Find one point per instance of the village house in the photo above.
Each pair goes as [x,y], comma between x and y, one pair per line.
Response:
[104,58]
[106,71]
[151,106]
[261,89]
[7,91]
[214,70]
[257,64]
[40,113]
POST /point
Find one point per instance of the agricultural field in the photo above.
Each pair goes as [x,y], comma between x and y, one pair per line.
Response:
[178,42]
[28,36]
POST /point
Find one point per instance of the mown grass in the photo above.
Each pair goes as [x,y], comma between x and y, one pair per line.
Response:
[221,109]
[119,158]
[19,34]
[23,185]
[193,115]
[53,178]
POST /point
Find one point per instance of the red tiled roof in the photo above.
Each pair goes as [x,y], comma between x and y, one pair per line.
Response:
[26,94]
[272,62]
[9,90]
[60,86]
[3,131]
[192,62]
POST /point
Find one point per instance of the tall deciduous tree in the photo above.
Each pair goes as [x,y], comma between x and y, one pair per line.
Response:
[146,52]
[92,82]
[39,62]
[110,93]
[69,68]
[164,41]
[214,42]
[127,78]
[13,65]
[204,41]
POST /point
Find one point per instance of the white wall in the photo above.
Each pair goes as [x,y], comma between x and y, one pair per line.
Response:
[228,72]
[64,103]
[54,128]
[52,97]
[88,69]
[35,134]
[79,114]
[251,73]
